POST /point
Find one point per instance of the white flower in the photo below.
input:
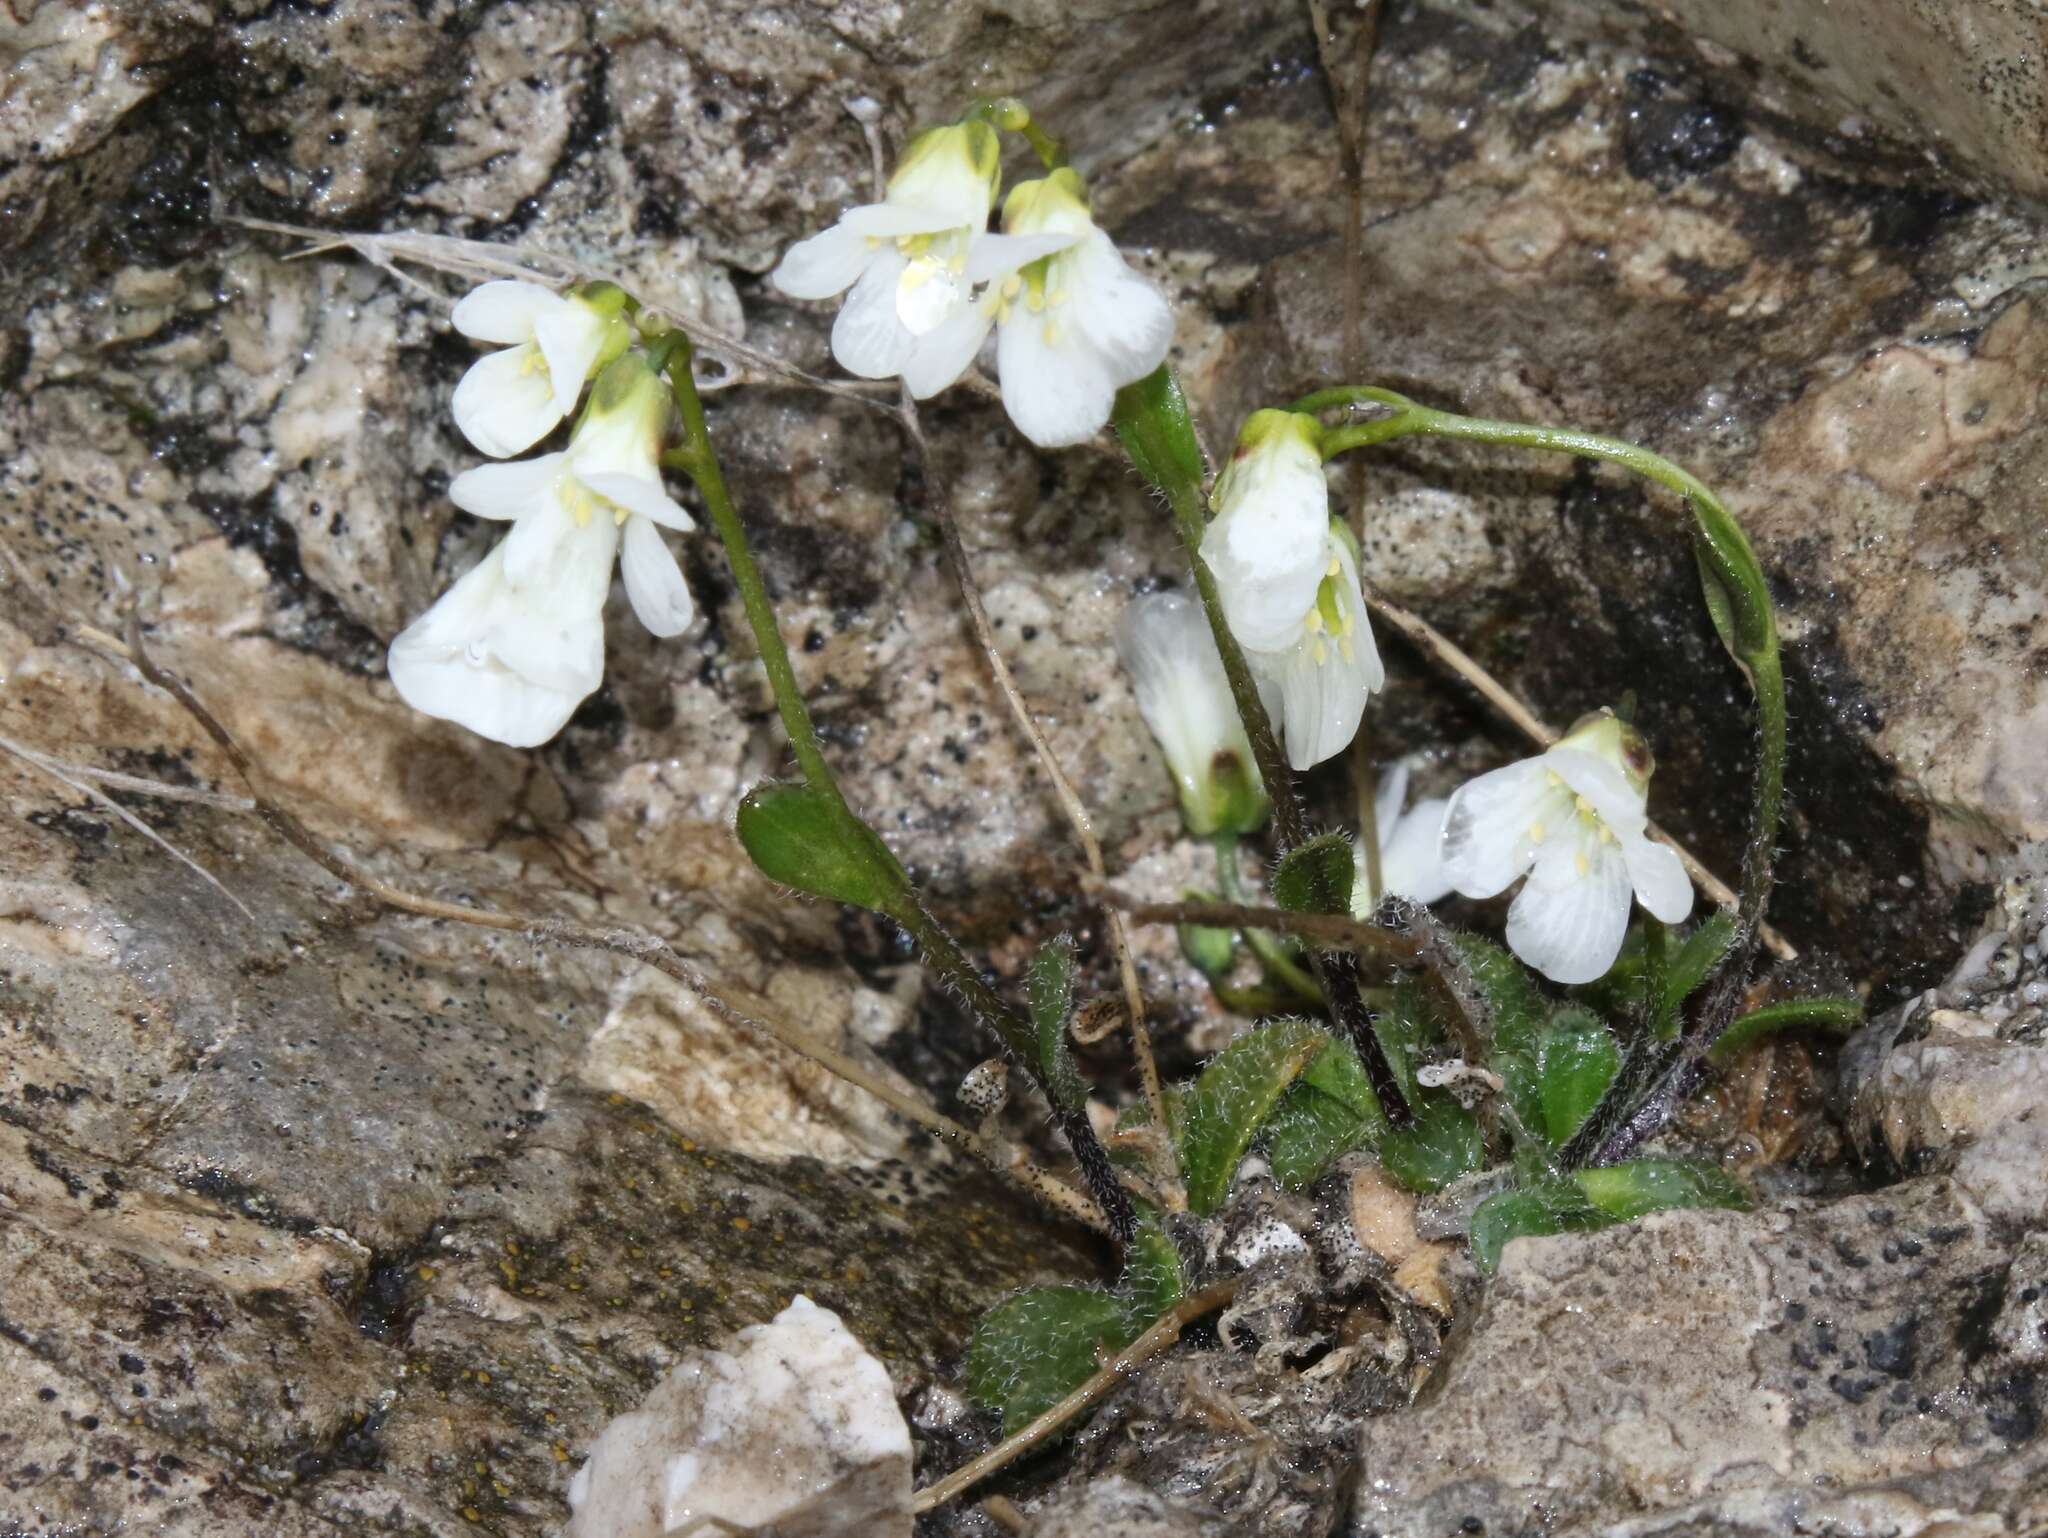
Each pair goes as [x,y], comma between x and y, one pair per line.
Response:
[1411,860]
[514,647]
[1165,643]
[1075,324]
[905,258]
[1573,821]
[550,344]
[1287,576]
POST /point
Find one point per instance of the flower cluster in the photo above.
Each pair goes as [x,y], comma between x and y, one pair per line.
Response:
[928,282]
[1287,575]
[517,643]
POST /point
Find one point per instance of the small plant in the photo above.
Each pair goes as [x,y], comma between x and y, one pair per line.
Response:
[1531,1075]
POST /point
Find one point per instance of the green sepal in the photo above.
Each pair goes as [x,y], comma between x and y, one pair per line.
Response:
[1230,1101]
[1316,876]
[1049,991]
[1640,1186]
[1576,1062]
[1153,425]
[808,841]
[1029,1352]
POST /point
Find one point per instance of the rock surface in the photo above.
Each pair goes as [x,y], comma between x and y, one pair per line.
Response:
[393,1215]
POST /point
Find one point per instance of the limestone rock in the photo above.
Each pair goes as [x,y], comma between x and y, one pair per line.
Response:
[793,1433]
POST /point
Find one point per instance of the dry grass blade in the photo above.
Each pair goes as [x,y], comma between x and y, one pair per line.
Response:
[1164,1332]
[58,772]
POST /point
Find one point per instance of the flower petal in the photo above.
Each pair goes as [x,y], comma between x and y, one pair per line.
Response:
[1411,861]
[997,256]
[445,664]
[505,404]
[1569,918]
[1123,315]
[641,496]
[829,263]
[504,311]
[1388,800]
[1321,702]
[1619,804]
[536,546]
[869,337]
[946,352]
[654,582]
[1659,877]
[570,339]
[1056,392]
[1488,836]
[507,491]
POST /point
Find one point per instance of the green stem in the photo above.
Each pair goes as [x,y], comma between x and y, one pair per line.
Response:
[1263,942]
[696,458]
[1151,419]
[1657,1009]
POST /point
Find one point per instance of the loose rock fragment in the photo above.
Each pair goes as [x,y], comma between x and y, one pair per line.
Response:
[795,1434]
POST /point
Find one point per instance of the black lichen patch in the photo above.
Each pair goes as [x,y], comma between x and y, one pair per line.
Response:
[1670,134]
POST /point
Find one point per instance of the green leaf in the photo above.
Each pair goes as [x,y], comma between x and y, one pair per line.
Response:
[1136,1113]
[1443,1143]
[1720,606]
[1154,1278]
[1541,1207]
[1839,1015]
[1231,1100]
[1694,961]
[1152,423]
[1316,876]
[1338,1073]
[1639,1186]
[1049,990]
[1576,1063]
[1517,1011]
[1308,1132]
[1029,1352]
[808,841]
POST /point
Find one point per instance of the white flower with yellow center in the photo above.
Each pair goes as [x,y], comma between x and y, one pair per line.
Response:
[549,345]
[1073,323]
[905,258]
[1166,645]
[1287,576]
[518,643]
[1573,821]
[1411,859]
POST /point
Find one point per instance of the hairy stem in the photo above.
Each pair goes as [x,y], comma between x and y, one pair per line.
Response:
[699,461]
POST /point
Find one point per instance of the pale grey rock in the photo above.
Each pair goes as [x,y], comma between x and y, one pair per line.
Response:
[1117,1508]
[792,1432]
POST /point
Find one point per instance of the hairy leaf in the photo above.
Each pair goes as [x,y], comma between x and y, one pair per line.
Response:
[1541,1207]
[1308,1132]
[1444,1143]
[1049,989]
[1152,423]
[1231,1100]
[1576,1062]
[1516,1011]
[1840,1015]
[1154,1278]
[808,841]
[1316,876]
[1029,1352]
[1629,1190]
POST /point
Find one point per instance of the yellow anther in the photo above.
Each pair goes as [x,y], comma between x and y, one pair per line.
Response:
[1583,865]
[1345,649]
[535,362]
[1322,651]
[1052,333]
[1012,286]
[1315,622]
[1537,832]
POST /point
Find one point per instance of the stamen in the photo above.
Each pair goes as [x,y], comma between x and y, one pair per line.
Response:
[1322,651]
[1537,832]
[1582,864]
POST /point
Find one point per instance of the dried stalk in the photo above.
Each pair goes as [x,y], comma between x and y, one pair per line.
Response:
[1164,1332]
